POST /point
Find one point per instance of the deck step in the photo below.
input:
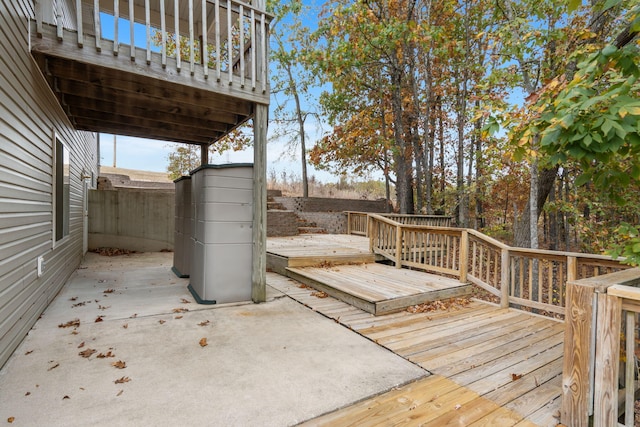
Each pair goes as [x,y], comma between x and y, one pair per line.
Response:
[311,230]
[377,288]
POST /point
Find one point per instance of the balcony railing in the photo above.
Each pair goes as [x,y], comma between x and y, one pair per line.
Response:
[226,39]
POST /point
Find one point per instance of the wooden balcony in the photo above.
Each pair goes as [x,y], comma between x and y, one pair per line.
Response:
[136,85]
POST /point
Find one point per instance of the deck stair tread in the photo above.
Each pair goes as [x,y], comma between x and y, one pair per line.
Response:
[378,288]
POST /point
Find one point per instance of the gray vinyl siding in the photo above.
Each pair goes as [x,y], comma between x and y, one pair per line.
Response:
[30,116]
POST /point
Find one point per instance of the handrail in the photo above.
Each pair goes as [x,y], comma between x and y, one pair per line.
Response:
[604,315]
[531,279]
[231,34]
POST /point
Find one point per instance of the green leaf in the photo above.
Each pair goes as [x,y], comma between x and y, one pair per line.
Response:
[583,179]
[609,50]
[610,3]
[550,136]
[574,4]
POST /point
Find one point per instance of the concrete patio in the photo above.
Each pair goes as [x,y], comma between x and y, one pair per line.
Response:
[272,364]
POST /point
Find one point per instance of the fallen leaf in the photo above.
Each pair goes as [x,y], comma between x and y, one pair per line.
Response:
[70,323]
[66,397]
[28,352]
[178,317]
[27,393]
[82,388]
[87,353]
[133,316]
[203,323]
[73,298]
[104,355]
[180,310]
[102,307]
[74,332]
[108,291]
[458,406]
[119,393]
[53,367]
[122,380]
[515,377]
[162,322]
[319,294]
[203,342]
[125,326]
[119,364]
[185,301]
[80,304]
[99,319]
[11,419]
[81,344]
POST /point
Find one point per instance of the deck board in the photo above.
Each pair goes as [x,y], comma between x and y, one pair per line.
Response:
[472,353]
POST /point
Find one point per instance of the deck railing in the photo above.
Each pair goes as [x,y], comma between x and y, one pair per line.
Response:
[531,279]
[226,38]
[357,222]
[600,372]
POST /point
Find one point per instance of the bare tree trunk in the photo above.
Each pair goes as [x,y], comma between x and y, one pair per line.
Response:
[522,222]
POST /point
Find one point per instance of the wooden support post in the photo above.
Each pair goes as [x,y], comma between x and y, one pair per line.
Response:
[348,222]
[398,246]
[259,273]
[204,154]
[576,363]
[607,360]
[464,256]
[505,269]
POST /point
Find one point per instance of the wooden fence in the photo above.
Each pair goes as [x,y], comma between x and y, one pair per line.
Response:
[233,42]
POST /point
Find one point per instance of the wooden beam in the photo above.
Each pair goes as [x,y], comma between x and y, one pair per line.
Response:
[180,96]
[77,104]
[118,129]
[259,273]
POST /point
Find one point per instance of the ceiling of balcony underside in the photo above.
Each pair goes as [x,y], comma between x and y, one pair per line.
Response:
[100,99]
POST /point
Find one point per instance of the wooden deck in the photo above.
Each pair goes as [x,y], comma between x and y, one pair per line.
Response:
[343,267]
[489,366]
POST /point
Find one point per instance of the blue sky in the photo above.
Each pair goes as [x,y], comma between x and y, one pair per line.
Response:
[152,155]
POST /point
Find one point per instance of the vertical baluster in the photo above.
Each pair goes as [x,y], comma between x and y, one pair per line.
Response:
[116,19]
[630,369]
[481,262]
[512,280]
[163,31]
[263,56]
[217,26]
[96,23]
[229,44]
[530,277]
[541,267]
[147,20]
[205,48]
[550,270]
[521,283]
[60,23]
[176,27]
[38,12]
[192,47]
[132,40]
[474,257]
[79,21]
[241,53]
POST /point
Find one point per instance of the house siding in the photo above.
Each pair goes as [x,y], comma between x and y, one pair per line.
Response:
[30,117]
